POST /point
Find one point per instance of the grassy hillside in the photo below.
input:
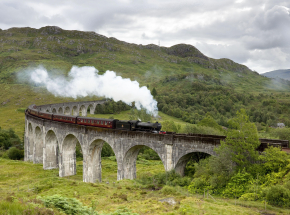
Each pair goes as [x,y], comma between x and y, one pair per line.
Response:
[23,183]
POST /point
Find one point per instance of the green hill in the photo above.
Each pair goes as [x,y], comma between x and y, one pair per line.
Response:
[188,83]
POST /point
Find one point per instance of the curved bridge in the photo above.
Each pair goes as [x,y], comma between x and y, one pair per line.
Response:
[53,144]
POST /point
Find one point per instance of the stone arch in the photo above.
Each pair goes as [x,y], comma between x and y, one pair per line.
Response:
[83,111]
[182,161]
[67,111]
[75,111]
[38,146]
[51,151]
[91,108]
[67,165]
[54,111]
[130,158]
[60,110]
[30,142]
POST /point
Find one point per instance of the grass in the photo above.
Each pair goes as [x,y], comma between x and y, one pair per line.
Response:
[22,182]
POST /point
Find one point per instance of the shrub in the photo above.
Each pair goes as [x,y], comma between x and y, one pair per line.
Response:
[238,184]
[198,185]
[278,195]
[70,206]
[249,197]
[15,154]
[167,190]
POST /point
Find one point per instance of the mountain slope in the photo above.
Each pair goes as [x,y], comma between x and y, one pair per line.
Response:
[59,49]
[189,84]
[281,73]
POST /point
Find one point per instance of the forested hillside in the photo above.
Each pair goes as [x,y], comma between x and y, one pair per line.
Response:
[187,83]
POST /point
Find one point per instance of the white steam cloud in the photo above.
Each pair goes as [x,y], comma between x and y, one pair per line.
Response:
[85,81]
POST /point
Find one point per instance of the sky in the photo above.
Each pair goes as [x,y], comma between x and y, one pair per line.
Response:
[255,33]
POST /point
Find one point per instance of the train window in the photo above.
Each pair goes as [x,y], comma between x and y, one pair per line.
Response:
[98,122]
[102,122]
[85,120]
[89,121]
[81,120]
[105,122]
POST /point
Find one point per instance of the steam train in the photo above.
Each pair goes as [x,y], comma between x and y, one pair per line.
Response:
[128,125]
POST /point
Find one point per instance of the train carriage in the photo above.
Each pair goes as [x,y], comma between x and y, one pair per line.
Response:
[98,122]
[45,115]
[64,118]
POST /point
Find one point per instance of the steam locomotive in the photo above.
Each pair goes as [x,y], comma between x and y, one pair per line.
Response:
[128,125]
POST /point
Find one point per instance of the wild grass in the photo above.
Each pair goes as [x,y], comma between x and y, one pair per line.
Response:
[22,183]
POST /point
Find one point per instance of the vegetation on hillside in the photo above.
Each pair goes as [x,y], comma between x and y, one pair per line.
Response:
[195,94]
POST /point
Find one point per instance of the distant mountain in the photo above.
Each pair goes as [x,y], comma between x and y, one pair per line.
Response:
[281,73]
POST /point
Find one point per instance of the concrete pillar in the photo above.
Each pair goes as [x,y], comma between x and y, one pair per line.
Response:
[83,110]
[38,146]
[169,157]
[67,156]
[93,160]
[50,151]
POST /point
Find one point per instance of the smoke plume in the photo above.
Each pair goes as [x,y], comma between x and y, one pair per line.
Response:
[85,81]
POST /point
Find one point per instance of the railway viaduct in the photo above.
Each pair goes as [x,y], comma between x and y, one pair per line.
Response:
[54,143]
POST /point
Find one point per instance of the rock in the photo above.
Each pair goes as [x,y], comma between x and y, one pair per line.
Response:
[170,201]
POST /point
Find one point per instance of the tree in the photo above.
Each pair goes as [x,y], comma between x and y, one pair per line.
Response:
[242,140]
[208,121]
[154,92]
[170,126]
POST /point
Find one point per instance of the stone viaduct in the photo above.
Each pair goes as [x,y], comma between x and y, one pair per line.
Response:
[53,144]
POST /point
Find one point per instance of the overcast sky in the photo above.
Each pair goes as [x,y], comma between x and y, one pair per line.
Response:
[251,32]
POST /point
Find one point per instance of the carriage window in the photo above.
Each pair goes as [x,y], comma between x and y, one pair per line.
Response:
[105,122]
[81,120]
[98,122]
[89,121]
[102,122]
[85,120]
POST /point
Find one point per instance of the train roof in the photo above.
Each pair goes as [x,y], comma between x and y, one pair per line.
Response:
[92,118]
[62,115]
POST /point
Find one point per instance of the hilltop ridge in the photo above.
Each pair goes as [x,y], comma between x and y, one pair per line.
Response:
[54,43]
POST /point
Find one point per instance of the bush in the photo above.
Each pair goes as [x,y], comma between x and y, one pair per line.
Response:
[167,190]
[278,195]
[198,185]
[8,138]
[249,197]
[170,178]
[70,206]
[238,184]
[15,154]
[194,129]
